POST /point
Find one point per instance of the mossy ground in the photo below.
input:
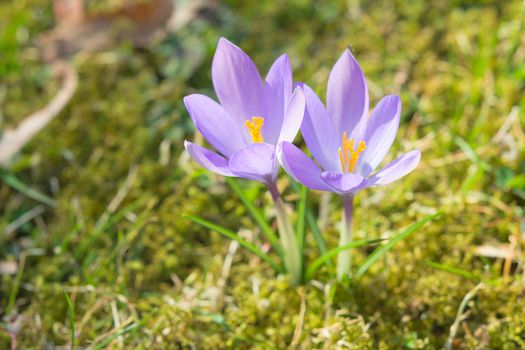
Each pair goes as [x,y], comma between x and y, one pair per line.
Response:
[141,276]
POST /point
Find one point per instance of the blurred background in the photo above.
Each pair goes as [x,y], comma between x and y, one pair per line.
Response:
[94,180]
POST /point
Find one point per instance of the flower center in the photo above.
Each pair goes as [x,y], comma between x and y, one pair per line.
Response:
[348,156]
[254,128]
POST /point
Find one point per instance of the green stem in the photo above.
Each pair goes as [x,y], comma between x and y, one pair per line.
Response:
[344,258]
[292,254]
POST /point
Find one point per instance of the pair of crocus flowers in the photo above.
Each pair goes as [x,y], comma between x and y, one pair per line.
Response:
[256,120]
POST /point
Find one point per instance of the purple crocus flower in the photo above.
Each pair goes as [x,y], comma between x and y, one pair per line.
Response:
[346,142]
[252,118]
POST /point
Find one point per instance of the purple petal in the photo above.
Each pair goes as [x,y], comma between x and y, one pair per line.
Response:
[293,117]
[347,97]
[208,159]
[255,162]
[343,182]
[300,167]
[218,127]
[396,169]
[318,131]
[278,90]
[237,82]
[380,133]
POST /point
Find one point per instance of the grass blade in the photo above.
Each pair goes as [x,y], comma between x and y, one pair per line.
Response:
[317,263]
[471,153]
[452,269]
[101,227]
[380,251]
[257,216]
[312,223]
[318,236]
[102,344]
[232,235]
[16,285]
[71,312]
[12,181]
[301,216]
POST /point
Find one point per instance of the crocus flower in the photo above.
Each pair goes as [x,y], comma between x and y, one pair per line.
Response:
[253,116]
[346,142]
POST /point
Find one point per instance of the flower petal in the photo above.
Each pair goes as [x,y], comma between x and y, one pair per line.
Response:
[208,159]
[299,166]
[343,182]
[347,97]
[380,133]
[396,169]
[237,82]
[217,126]
[293,117]
[278,91]
[255,162]
[319,132]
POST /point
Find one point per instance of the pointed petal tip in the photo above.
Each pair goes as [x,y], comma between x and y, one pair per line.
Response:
[299,90]
[208,159]
[413,157]
[394,100]
[382,126]
[224,41]
[348,59]
[225,48]
[189,99]
[299,87]
[188,145]
[347,96]
[396,169]
[416,154]
[284,57]
[393,97]
[222,45]
[347,53]
[225,44]
[237,82]
[293,116]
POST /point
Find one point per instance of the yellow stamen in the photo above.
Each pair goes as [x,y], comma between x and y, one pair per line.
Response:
[341,158]
[254,128]
[355,155]
[348,156]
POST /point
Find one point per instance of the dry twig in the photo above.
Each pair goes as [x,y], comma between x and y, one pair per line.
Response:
[12,140]
[299,326]
[461,315]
